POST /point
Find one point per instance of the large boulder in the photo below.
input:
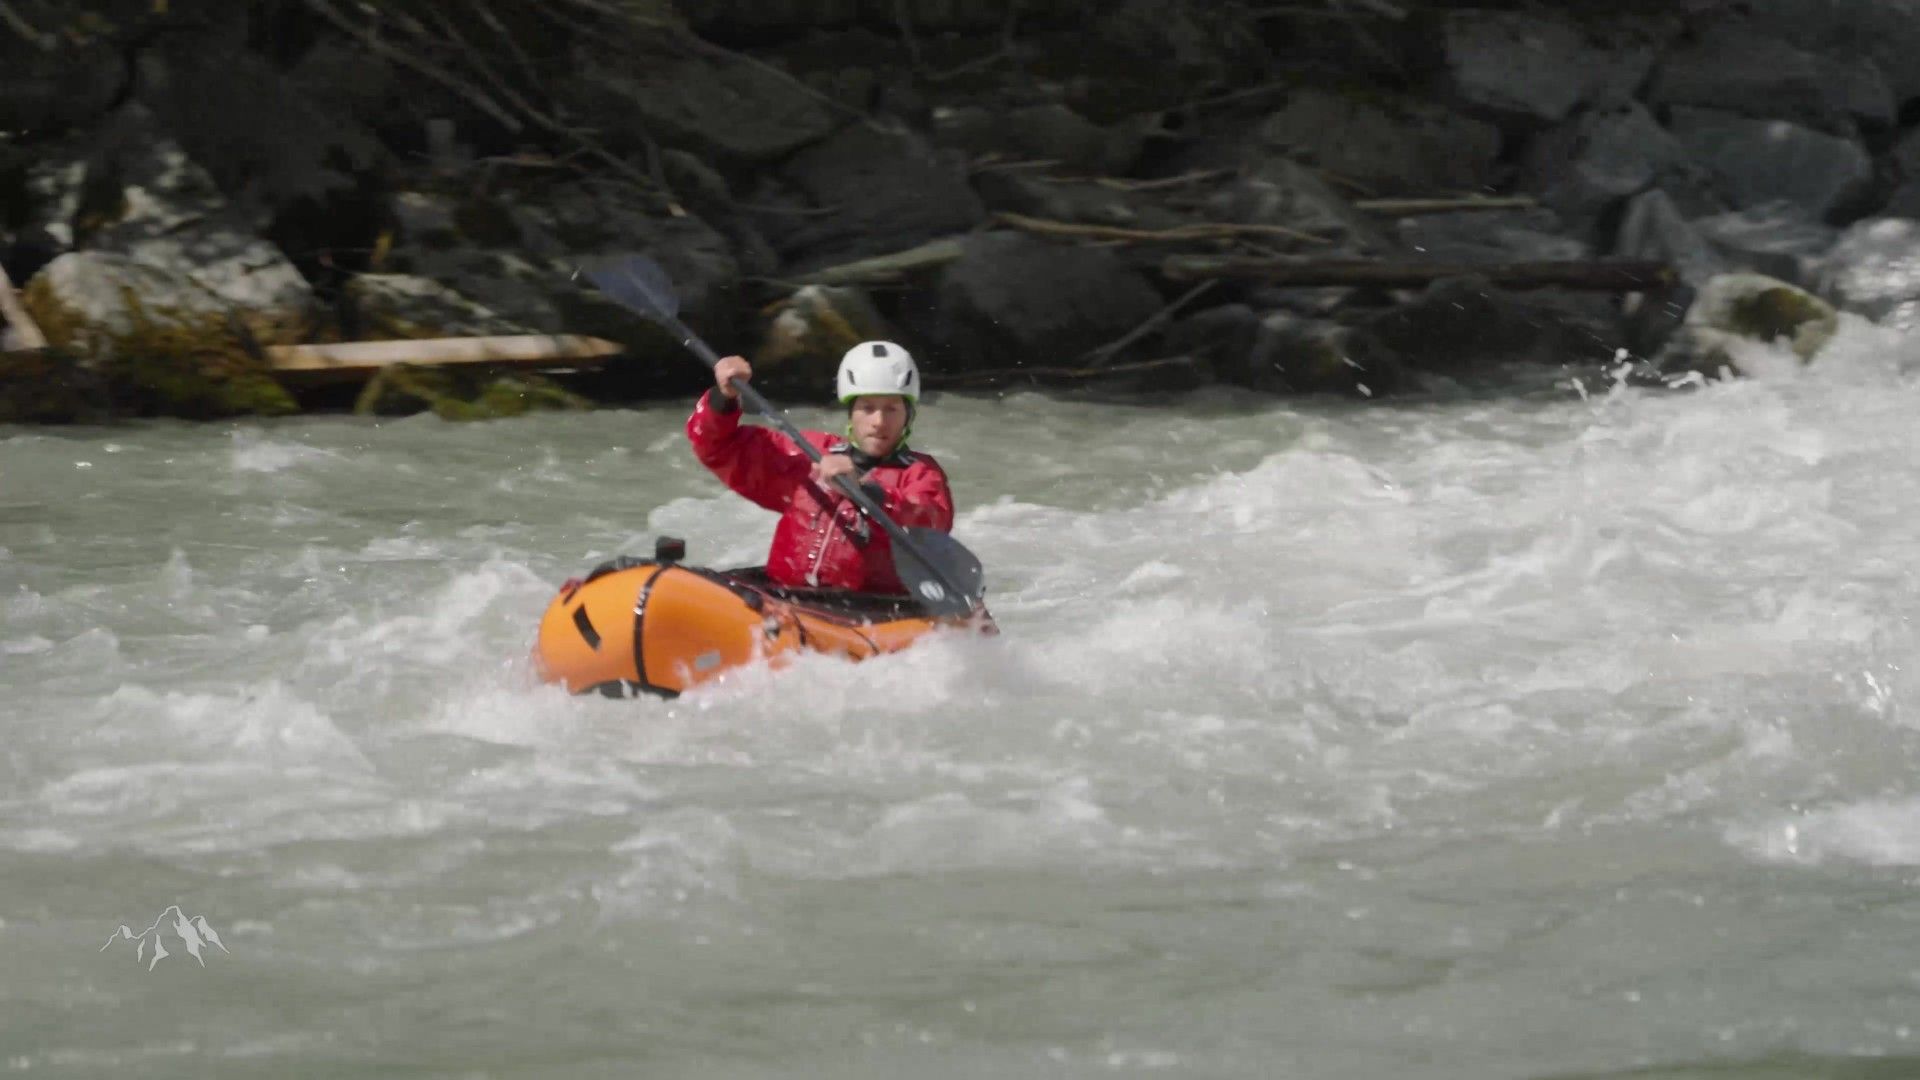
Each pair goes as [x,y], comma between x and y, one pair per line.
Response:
[868,192]
[454,394]
[1387,145]
[1875,270]
[1736,69]
[1011,300]
[162,342]
[1535,65]
[1763,161]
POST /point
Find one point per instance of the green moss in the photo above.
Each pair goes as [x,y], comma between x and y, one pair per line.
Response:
[403,389]
[1783,312]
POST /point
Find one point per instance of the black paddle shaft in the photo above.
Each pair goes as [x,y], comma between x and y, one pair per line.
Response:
[640,284]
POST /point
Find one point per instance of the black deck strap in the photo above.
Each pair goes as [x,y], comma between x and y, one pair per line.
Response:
[640,631]
[585,626]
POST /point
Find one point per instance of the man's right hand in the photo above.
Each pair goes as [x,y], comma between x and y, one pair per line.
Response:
[729,369]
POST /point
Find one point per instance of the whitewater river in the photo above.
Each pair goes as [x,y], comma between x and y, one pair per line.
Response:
[1572,735]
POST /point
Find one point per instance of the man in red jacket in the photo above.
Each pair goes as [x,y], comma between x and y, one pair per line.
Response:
[822,540]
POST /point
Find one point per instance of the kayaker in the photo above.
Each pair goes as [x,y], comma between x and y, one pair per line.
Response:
[822,540]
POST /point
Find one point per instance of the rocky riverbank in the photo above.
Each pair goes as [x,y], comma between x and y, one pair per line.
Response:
[1051,191]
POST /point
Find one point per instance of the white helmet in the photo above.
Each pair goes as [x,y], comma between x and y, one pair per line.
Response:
[879,367]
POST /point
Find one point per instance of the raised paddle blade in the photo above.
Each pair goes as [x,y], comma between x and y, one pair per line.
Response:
[635,282]
[934,566]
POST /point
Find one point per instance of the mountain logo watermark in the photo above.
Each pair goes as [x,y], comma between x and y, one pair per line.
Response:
[192,932]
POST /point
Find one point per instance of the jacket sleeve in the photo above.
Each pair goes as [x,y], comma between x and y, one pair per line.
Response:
[922,500]
[761,464]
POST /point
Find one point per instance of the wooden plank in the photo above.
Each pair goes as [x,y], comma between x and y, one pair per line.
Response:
[363,359]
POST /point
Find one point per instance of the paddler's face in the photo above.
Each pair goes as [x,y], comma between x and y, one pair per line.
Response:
[878,421]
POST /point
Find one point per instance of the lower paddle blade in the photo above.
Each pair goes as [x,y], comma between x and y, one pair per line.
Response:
[949,581]
[635,282]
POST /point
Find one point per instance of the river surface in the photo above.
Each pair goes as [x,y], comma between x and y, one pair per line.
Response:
[1570,734]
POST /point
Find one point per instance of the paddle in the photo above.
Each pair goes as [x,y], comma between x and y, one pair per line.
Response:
[938,570]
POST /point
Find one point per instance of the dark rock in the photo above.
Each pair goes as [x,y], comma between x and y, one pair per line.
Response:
[1884,31]
[1012,300]
[880,191]
[1736,69]
[1762,161]
[1142,56]
[1387,145]
[1081,201]
[1275,191]
[1540,66]
[48,386]
[385,306]
[263,139]
[1461,325]
[1875,270]
[1055,132]
[150,201]
[1295,355]
[60,88]
[1488,236]
[1654,228]
[1223,335]
[710,104]
[1586,168]
[1775,240]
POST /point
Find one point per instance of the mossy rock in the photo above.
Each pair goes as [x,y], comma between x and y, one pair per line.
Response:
[810,331]
[405,389]
[165,361]
[1784,312]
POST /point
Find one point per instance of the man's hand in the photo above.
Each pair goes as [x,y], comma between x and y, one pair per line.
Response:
[832,465]
[729,369]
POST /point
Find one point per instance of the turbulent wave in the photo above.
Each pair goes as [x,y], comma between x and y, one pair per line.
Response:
[1355,726]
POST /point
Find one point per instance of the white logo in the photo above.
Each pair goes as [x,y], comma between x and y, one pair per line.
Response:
[932,590]
[192,932]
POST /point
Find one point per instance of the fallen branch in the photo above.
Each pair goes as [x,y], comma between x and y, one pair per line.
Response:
[1611,276]
[1099,357]
[25,330]
[886,269]
[1406,207]
[1118,183]
[1176,235]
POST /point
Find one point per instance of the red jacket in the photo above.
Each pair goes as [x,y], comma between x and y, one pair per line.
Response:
[821,539]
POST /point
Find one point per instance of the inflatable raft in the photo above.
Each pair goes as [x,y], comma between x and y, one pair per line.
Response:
[660,627]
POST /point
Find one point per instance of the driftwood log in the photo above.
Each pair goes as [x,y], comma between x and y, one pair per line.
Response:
[1594,276]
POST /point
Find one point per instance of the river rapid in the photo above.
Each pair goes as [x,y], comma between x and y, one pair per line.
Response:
[1564,734]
